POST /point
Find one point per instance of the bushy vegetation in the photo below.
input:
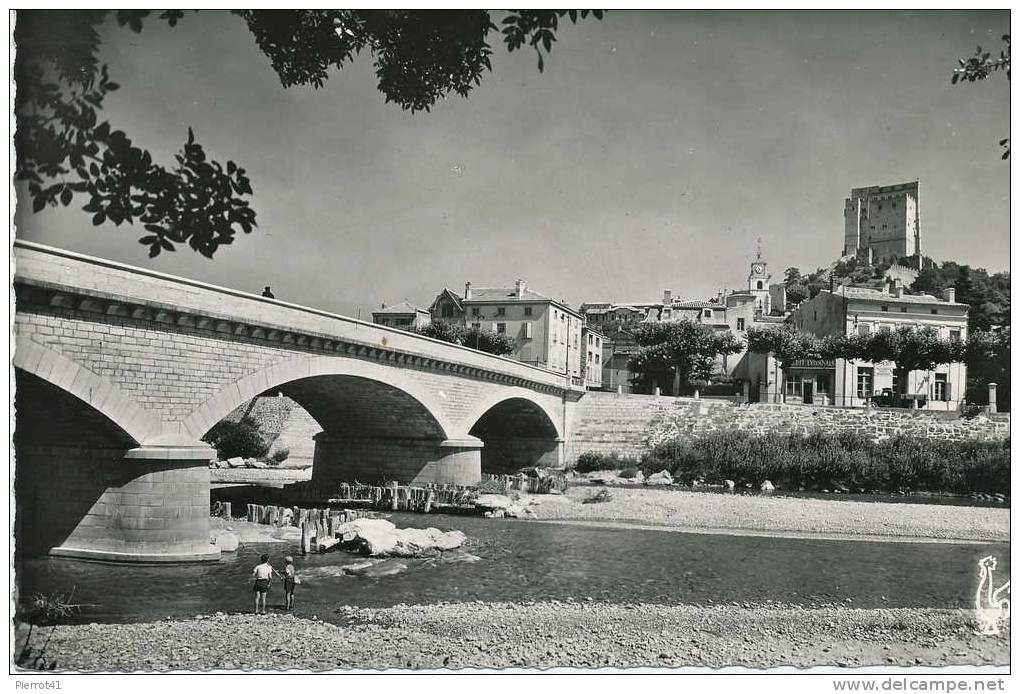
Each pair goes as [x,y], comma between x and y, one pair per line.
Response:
[832,461]
[483,340]
[591,461]
[240,439]
[278,456]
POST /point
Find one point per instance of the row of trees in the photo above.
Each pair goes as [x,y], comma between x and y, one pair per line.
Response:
[908,348]
[499,344]
[685,352]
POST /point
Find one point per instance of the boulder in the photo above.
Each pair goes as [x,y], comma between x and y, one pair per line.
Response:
[660,478]
[493,502]
[258,464]
[767,486]
[235,462]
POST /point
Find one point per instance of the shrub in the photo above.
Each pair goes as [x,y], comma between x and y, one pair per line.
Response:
[591,461]
[629,473]
[824,461]
[240,439]
[278,456]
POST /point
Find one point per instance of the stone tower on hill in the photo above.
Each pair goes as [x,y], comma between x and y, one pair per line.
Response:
[883,222]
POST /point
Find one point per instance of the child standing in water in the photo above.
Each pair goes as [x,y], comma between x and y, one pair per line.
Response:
[289,580]
[262,573]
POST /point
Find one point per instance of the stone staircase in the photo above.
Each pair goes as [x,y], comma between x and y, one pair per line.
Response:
[611,423]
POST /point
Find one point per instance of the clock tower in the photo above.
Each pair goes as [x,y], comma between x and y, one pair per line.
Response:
[758,285]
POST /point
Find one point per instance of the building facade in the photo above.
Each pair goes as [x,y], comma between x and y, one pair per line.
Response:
[593,341]
[546,332]
[404,315]
[883,222]
[856,310]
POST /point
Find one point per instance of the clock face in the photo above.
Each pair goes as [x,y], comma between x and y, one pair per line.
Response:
[758,269]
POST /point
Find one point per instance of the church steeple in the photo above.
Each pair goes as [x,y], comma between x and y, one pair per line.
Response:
[758,282]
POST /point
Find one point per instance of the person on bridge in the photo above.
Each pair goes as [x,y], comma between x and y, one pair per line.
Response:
[268,293]
[289,580]
[262,573]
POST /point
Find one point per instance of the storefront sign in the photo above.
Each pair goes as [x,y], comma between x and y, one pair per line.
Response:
[815,364]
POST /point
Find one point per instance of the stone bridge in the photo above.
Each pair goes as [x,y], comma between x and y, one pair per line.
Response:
[120,371]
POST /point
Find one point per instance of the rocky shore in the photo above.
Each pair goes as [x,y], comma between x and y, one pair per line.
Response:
[537,635]
[698,510]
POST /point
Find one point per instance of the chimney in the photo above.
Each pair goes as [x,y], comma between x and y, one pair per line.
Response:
[467,290]
[382,305]
[950,294]
[519,285]
[667,297]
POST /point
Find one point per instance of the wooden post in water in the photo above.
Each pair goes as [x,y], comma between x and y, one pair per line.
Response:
[393,493]
[226,510]
[428,501]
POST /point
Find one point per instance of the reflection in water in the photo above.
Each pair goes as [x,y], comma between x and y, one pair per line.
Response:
[507,560]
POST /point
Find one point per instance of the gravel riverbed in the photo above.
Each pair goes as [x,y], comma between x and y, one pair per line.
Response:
[683,509]
[537,635]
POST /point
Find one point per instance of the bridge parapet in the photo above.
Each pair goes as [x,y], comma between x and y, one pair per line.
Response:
[64,279]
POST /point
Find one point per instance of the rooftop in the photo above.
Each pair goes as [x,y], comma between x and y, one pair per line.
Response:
[866,294]
[504,294]
[402,307]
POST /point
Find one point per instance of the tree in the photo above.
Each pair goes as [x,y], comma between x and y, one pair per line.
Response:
[681,351]
[787,344]
[981,66]
[65,150]
[910,349]
[792,275]
[499,344]
[987,353]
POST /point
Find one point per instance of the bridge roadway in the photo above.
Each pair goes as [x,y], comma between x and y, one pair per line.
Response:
[120,371]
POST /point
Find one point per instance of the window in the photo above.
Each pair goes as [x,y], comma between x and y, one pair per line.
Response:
[760,284]
[501,328]
[597,359]
[501,311]
[447,310]
[884,328]
[863,329]
[903,309]
[934,312]
[527,330]
[708,313]
[527,310]
[942,387]
[475,312]
[865,381]
[598,342]
[954,335]
[795,385]
[740,324]
[885,308]
[476,326]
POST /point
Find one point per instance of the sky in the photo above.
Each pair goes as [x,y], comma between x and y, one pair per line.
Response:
[653,152]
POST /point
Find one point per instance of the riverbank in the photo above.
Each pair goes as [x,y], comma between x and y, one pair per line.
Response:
[696,510]
[537,635]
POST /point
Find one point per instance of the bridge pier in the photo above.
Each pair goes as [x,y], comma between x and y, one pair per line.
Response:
[148,504]
[374,460]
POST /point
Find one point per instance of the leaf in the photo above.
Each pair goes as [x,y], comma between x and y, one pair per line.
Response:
[66,196]
[154,250]
[191,136]
[99,218]
[38,203]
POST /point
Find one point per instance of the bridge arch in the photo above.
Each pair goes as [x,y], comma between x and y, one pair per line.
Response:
[316,381]
[121,409]
[517,431]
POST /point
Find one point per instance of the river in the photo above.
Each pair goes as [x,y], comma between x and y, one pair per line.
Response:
[509,560]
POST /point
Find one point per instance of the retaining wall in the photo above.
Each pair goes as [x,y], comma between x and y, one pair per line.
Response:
[628,424]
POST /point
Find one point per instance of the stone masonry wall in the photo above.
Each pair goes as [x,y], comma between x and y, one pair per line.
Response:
[628,424]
